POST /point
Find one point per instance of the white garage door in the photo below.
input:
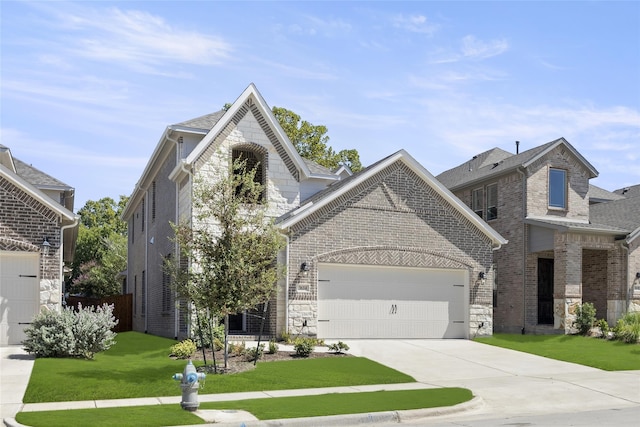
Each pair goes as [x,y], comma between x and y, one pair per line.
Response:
[19,294]
[357,301]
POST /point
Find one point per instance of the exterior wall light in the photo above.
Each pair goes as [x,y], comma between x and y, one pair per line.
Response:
[304,269]
[45,246]
[637,281]
[481,278]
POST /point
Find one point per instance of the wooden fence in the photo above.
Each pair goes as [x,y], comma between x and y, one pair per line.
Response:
[122,308]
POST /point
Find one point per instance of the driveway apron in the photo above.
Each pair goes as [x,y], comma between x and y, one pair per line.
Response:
[509,382]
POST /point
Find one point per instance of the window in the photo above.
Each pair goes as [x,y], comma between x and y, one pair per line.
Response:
[492,201]
[166,285]
[153,201]
[484,202]
[142,210]
[477,202]
[557,188]
[143,297]
[253,160]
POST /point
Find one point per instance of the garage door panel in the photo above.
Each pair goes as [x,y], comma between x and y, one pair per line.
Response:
[19,294]
[381,302]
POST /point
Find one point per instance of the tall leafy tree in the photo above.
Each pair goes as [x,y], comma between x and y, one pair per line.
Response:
[312,142]
[101,248]
[232,245]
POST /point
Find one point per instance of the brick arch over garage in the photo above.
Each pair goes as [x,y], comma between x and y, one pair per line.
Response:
[393,256]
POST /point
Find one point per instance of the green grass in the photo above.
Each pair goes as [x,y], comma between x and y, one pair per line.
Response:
[346,403]
[594,352]
[139,366]
[263,409]
[143,416]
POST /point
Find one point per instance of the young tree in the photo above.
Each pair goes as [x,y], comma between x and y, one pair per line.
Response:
[232,245]
[311,141]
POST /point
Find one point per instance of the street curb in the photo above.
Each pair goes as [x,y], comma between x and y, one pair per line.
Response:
[341,420]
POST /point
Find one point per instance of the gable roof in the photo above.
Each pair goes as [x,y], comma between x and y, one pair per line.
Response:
[202,124]
[253,97]
[599,195]
[496,162]
[339,188]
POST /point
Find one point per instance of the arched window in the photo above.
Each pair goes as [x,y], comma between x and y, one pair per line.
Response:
[255,159]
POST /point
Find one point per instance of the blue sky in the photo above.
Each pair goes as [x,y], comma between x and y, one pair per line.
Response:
[87,88]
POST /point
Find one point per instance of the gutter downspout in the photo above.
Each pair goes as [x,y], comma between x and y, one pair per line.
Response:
[628,289]
[146,261]
[75,223]
[524,249]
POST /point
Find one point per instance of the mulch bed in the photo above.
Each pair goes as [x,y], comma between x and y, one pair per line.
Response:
[240,363]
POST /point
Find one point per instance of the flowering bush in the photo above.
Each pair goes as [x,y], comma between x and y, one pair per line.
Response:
[71,333]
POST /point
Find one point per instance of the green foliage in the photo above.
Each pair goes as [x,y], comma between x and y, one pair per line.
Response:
[273,347]
[184,349]
[604,327]
[628,328]
[304,346]
[238,349]
[251,352]
[71,333]
[101,248]
[338,347]
[285,337]
[311,142]
[585,318]
[203,328]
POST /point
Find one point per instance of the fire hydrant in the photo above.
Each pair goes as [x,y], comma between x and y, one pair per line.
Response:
[189,383]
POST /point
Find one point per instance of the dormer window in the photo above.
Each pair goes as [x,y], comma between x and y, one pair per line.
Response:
[557,188]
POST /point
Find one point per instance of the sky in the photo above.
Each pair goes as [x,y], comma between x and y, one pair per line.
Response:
[87,88]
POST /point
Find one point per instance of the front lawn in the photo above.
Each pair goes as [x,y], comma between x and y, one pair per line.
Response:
[594,352]
[139,366]
[263,409]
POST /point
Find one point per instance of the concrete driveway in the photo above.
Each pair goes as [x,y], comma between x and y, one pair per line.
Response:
[509,382]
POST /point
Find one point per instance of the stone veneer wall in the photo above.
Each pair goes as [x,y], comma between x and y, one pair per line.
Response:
[393,218]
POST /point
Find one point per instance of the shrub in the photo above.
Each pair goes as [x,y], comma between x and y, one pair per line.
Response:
[273,347]
[285,337]
[585,317]
[80,332]
[202,330]
[237,349]
[255,353]
[338,347]
[183,349]
[604,327]
[92,330]
[304,346]
[628,328]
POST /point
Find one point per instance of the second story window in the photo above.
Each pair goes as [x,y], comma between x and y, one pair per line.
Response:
[254,160]
[484,202]
[557,188]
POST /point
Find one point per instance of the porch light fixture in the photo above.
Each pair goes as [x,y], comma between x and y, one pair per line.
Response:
[304,269]
[481,278]
[45,246]
[637,281]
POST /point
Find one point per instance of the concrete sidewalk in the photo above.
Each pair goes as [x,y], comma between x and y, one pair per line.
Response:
[15,371]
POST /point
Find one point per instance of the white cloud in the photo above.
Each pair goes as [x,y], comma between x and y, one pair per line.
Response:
[137,40]
[478,49]
[415,24]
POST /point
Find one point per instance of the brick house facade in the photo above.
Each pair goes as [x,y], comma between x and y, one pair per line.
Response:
[391,218]
[562,251]
[37,236]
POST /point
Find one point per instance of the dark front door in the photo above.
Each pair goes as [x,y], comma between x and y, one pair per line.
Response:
[545,291]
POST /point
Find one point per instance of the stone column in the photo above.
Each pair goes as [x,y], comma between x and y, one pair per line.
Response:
[567,284]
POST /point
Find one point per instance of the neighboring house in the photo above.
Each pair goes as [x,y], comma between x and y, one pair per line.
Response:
[387,252]
[569,242]
[38,231]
